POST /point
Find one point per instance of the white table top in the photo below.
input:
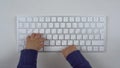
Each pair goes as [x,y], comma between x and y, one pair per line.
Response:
[10,8]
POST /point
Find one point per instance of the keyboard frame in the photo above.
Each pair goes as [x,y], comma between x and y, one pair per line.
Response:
[78,47]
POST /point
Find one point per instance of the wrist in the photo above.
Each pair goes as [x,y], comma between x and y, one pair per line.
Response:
[32,48]
[68,50]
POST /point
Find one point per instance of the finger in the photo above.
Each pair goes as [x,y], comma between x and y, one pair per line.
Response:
[33,35]
[28,37]
[38,35]
[42,39]
[68,47]
[41,43]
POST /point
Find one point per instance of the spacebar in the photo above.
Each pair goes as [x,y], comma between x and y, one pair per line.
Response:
[54,48]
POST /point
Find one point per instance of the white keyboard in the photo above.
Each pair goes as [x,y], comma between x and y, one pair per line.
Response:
[88,33]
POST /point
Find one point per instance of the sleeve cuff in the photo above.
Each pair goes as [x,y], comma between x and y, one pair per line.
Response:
[28,56]
[75,58]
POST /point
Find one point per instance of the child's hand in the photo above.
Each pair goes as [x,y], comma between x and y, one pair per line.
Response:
[68,50]
[35,42]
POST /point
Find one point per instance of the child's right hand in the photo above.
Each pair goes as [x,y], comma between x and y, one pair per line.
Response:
[68,50]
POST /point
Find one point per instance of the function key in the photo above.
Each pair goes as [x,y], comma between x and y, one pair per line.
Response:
[41,19]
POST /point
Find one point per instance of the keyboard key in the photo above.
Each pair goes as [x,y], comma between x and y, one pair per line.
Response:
[29,31]
[101,31]
[67,36]
[97,36]
[41,31]
[47,31]
[56,25]
[62,25]
[52,42]
[83,31]
[100,25]
[54,48]
[41,19]
[101,48]
[38,25]
[35,31]
[29,19]
[53,19]
[91,36]
[83,48]
[82,42]
[76,42]
[49,36]
[102,19]
[97,42]
[44,25]
[73,37]
[21,42]
[90,19]
[71,19]
[65,31]
[20,25]
[92,25]
[68,25]
[87,25]
[77,19]
[74,25]
[89,48]
[58,42]
[44,36]
[22,37]
[85,37]
[47,19]
[22,31]
[59,19]
[96,31]
[79,37]
[70,42]
[64,42]
[59,31]
[47,43]
[55,37]
[80,25]
[71,31]
[35,19]
[65,19]
[26,25]
[32,25]
[22,19]
[88,42]
[84,19]
[102,37]
[95,19]
[53,31]
[77,31]
[95,48]
[89,31]
[61,37]
[50,25]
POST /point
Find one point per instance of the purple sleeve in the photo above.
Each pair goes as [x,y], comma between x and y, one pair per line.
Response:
[77,60]
[28,59]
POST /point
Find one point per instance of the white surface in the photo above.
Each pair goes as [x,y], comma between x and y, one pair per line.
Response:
[10,8]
